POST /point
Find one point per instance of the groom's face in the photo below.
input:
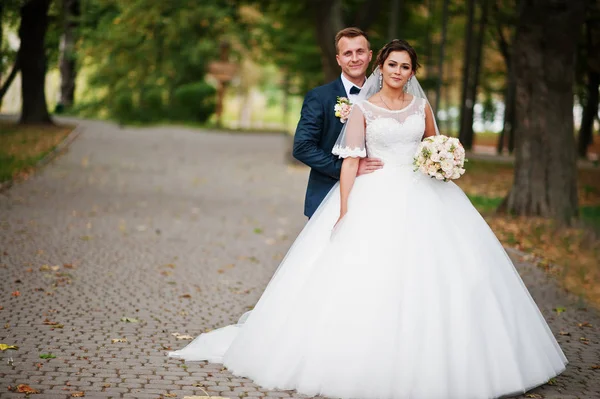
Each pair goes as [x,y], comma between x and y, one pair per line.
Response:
[354,56]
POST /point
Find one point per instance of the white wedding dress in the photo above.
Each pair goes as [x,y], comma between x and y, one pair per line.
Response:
[411,297]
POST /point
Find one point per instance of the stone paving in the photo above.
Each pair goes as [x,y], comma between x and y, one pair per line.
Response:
[137,237]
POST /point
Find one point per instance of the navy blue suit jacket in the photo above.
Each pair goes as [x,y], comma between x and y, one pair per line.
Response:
[317,132]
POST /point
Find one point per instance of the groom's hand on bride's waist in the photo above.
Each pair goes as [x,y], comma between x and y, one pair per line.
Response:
[369,165]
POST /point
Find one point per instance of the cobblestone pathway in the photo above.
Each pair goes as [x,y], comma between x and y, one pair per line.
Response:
[135,236]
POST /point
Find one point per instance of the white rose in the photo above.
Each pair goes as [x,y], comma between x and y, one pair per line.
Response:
[456,174]
[435,157]
[432,169]
[447,166]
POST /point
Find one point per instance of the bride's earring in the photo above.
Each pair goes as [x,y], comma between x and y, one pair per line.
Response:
[407,85]
[380,81]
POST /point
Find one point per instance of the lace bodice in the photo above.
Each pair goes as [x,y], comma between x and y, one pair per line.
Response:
[392,136]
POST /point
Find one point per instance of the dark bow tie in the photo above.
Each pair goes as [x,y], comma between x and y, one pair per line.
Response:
[354,90]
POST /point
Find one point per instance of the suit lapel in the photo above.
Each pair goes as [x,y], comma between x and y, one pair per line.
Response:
[339,88]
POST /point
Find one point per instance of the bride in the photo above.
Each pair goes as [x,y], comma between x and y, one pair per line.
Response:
[410,296]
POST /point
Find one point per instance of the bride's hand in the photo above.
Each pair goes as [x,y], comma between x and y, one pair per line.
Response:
[339,219]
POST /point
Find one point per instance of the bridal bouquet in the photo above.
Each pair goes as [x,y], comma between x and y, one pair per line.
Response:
[440,157]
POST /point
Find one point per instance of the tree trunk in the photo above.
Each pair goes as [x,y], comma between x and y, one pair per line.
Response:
[465,134]
[393,31]
[545,182]
[441,55]
[477,67]
[506,138]
[32,32]
[68,72]
[10,78]
[590,110]
[328,18]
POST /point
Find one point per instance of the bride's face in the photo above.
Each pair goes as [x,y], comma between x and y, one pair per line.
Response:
[397,69]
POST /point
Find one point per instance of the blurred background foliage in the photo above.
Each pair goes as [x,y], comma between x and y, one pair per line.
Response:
[149,61]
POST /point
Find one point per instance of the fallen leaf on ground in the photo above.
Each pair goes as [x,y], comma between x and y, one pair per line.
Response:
[55,268]
[565,333]
[4,347]
[16,293]
[68,266]
[595,367]
[129,320]
[47,356]
[187,296]
[560,310]
[205,397]
[584,324]
[182,336]
[79,394]
[116,340]
[44,268]
[22,388]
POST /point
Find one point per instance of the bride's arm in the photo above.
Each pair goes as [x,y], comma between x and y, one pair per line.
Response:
[429,123]
[347,177]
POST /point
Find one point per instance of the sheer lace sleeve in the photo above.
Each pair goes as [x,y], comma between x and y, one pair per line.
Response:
[351,141]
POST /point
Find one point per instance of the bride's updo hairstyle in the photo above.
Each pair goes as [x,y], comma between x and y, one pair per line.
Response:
[397,45]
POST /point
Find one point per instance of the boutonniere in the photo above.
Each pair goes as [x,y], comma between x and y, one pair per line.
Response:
[342,108]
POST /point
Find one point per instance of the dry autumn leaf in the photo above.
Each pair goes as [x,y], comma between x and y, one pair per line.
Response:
[79,394]
[187,296]
[16,293]
[23,388]
[4,347]
[182,336]
[117,340]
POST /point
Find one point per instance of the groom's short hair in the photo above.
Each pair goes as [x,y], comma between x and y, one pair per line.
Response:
[350,32]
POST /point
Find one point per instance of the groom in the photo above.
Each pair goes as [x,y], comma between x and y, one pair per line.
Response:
[319,128]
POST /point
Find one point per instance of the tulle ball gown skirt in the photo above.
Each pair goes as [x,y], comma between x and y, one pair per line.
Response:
[410,297]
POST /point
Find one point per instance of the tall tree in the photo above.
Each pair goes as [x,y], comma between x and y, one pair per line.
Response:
[505,21]
[67,67]
[32,56]
[328,20]
[9,14]
[330,17]
[545,180]
[592,76]
[393,27]
[466,104]
[441,55]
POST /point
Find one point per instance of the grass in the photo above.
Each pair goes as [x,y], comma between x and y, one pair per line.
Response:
[571,254]
[23,146]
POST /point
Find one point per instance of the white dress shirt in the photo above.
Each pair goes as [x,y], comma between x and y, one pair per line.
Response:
[348,85]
